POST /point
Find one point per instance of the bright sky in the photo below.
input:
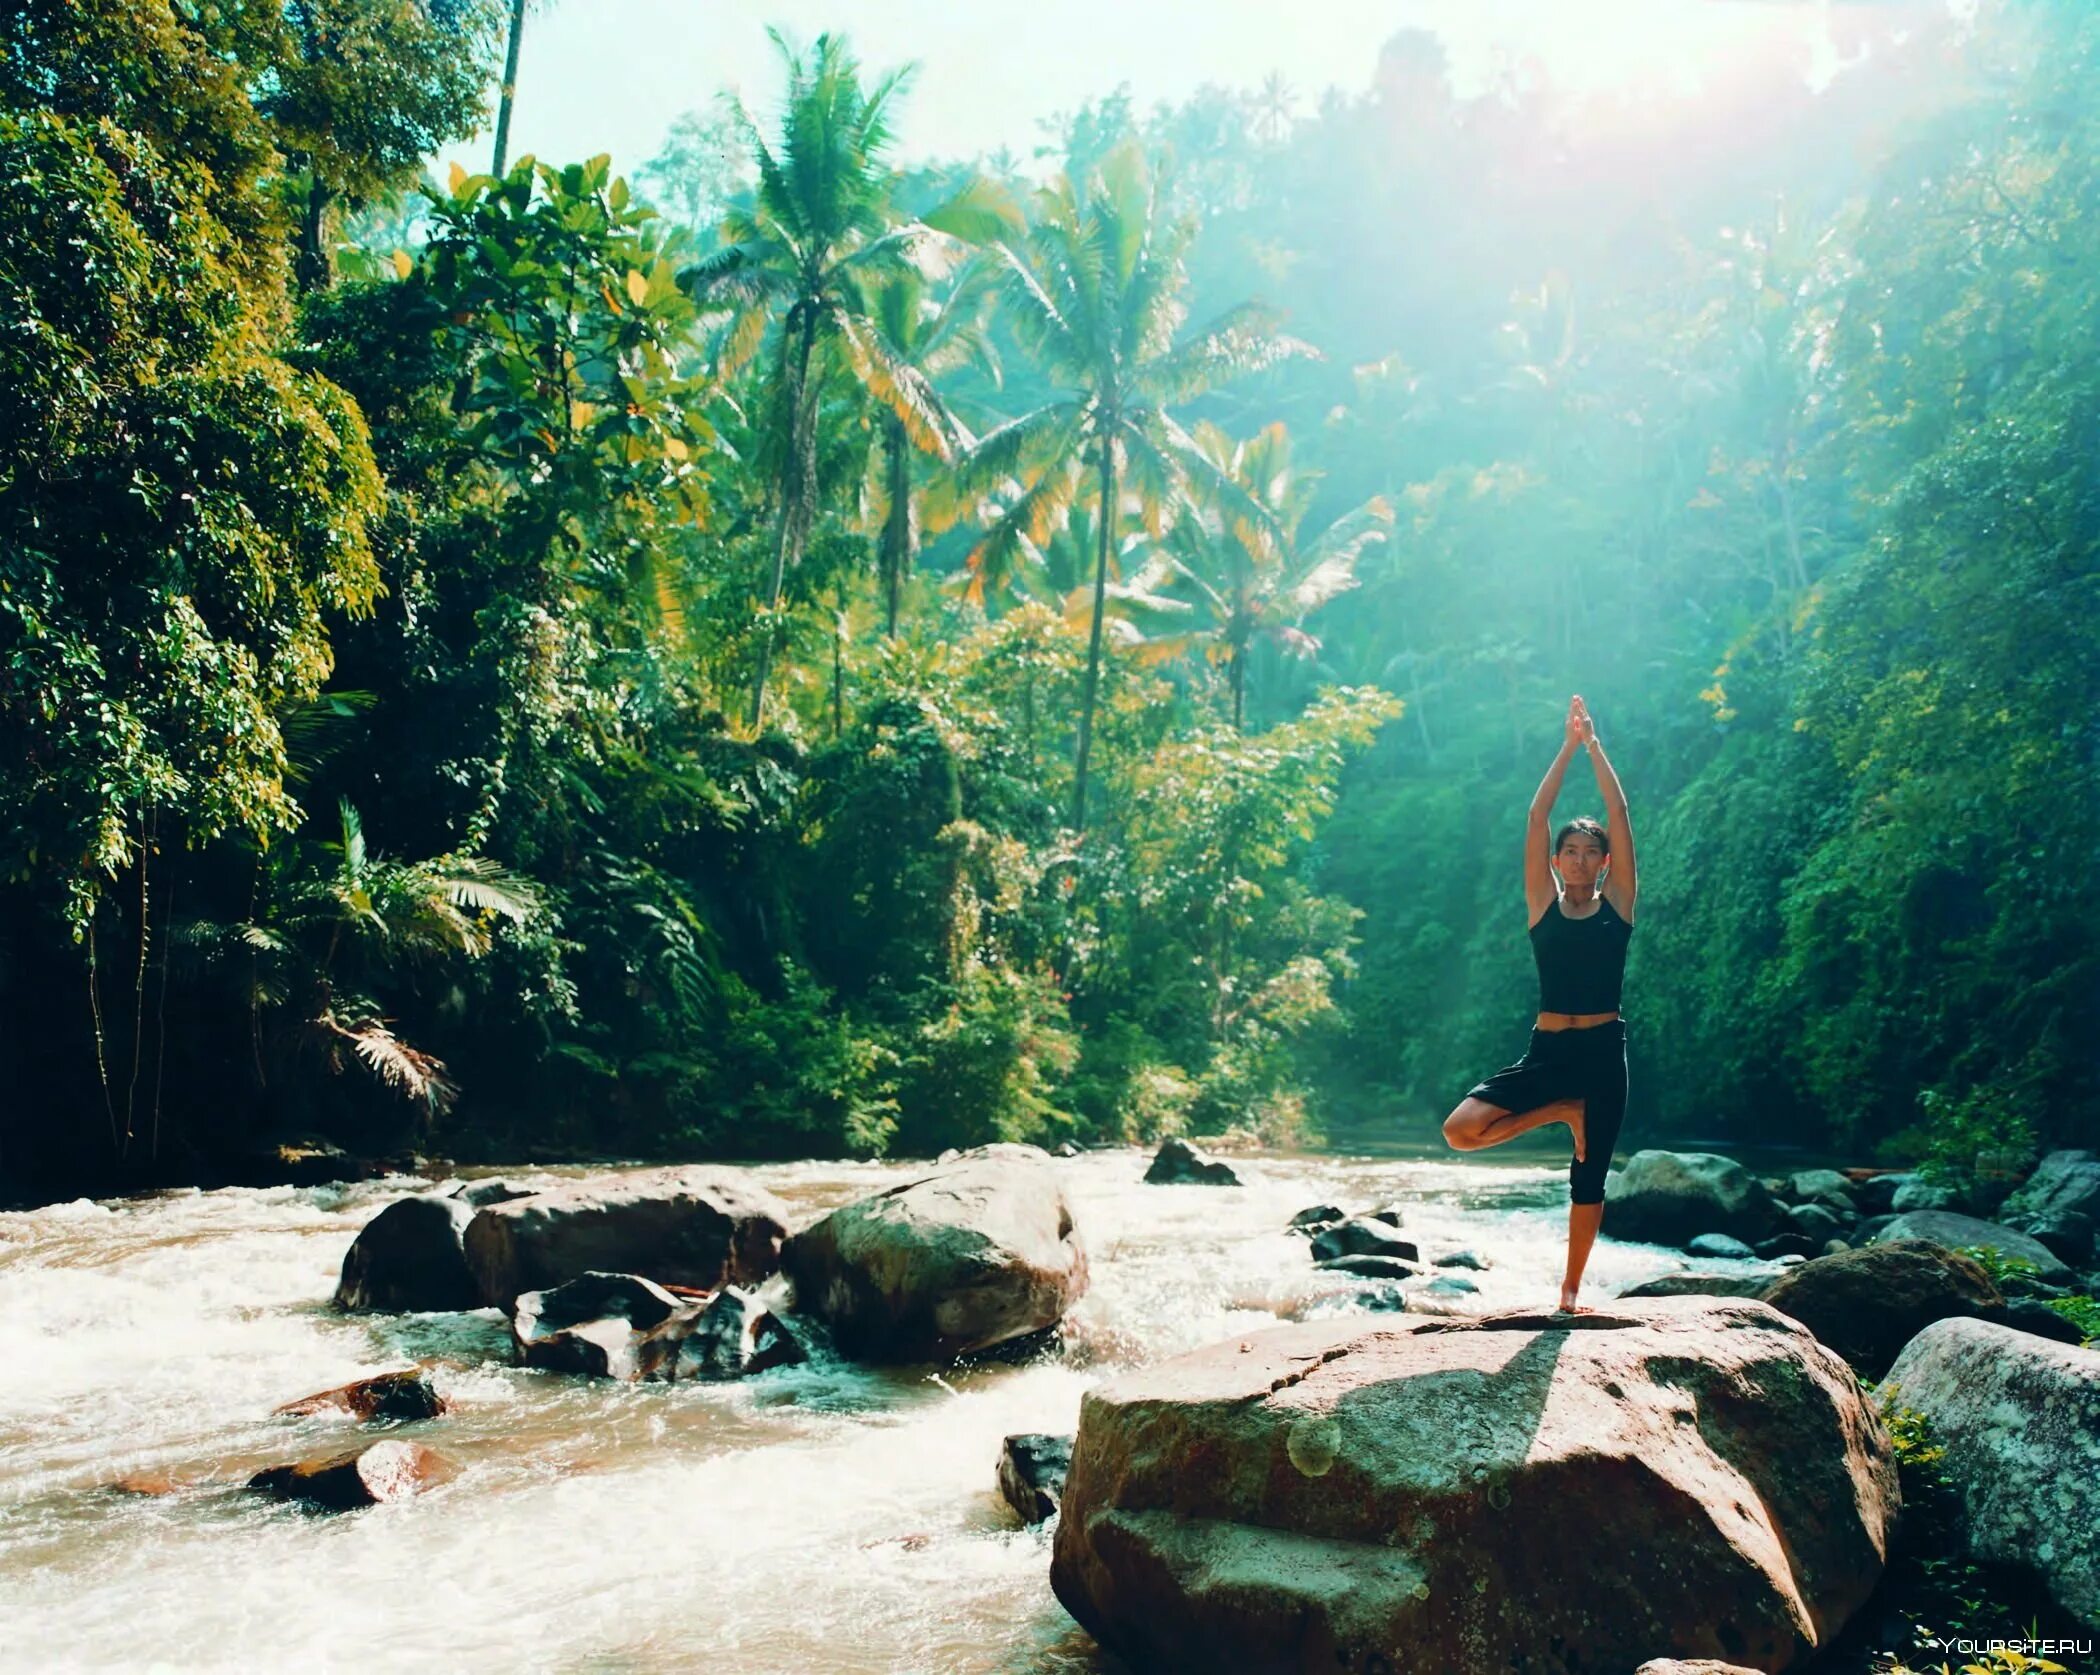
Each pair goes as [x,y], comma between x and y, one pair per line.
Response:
[612,75]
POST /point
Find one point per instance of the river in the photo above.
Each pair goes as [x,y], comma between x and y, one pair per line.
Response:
[826,1517]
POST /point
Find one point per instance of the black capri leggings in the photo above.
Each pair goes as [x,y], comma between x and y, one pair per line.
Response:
[1585,1064]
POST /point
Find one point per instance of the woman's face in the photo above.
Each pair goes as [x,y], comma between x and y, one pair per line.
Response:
[1580,859]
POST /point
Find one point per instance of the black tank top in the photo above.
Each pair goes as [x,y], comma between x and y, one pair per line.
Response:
[1582,962]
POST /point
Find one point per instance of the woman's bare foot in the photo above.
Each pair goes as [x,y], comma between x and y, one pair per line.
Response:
[1576,1111]
[1568,1305]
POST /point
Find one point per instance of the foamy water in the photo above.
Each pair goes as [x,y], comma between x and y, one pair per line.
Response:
[825,1517]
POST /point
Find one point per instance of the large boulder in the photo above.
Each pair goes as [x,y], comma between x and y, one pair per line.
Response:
[977,1254]
[1339,1496]
[2067,1234]
[1867,1304]
[695,1227]
[1668,1198]
[2020,1420]
[2063,1182]
[410,1258]
[1945,1227]
[1179,1163]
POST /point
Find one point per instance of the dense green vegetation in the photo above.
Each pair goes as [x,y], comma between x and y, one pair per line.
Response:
[836,658]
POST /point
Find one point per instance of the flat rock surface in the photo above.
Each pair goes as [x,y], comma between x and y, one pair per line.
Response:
[1565,1495]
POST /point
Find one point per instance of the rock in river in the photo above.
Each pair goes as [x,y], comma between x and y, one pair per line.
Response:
[698,1227]
[403,1394]
[975,1254]
[410,1258]
[1177,1162]
[603,1326]
[1337,1496]
[381,1471]
[1032,1469]
[1667,1198]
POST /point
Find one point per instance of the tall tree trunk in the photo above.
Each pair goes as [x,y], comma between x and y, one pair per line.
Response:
[312,268]
[510,86]
[897,532]
[838,665]
[794,504]
[1239,688]
[1093,650]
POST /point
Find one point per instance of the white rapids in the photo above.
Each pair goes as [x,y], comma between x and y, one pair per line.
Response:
[826,1517]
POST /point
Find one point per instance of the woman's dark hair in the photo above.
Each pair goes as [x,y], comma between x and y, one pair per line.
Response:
[1583,823]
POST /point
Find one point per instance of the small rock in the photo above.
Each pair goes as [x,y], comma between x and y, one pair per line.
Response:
[1825,1186]
[1452,1285]
[148,1483]
[603,1326]
[1461,1259]
[1370,1267]
[1360,1236]
[1689,1284]
[1032,1468]
[1814,1220]
[1798,1245]
[1916,1194]
[404,1394]
[380,1471]
[484,1192]
[735,1337]
[1313,1219]
[1718,1244]
[1178,1163]
[1874,1193]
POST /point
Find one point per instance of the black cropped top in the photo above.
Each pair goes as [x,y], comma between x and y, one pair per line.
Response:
[1582,962]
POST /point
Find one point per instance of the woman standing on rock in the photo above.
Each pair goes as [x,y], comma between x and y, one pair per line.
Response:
[1574,1070]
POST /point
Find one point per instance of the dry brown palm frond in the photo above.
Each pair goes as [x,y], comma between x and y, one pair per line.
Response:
[409,1071]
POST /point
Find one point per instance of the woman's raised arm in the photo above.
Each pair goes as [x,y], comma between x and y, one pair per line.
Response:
[1538,838]
[1621,882]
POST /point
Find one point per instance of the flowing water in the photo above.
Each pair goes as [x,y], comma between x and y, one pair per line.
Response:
[824,1517]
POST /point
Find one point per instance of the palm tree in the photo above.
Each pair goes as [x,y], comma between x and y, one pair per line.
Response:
[1244,586]
[1273,106]
[818,242]
[935,335]
[337,899]
[1095,293]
